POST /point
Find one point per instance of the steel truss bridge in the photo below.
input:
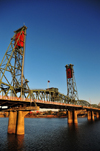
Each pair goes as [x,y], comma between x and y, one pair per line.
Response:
[49,98]
[16,86]
[20,99]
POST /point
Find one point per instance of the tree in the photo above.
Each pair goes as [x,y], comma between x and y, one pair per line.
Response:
[99,104]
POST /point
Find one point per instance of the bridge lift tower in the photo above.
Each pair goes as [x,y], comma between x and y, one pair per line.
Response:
[12,80]
[71,84]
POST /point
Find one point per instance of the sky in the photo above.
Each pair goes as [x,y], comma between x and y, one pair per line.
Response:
[59,32]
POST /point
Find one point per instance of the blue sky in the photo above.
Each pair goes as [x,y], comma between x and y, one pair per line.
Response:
[59,32]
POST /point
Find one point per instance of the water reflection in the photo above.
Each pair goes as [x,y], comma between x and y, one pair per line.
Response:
[15,142]
[73,127]
[52,134]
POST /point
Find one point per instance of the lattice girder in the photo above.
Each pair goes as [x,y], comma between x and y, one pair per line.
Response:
[71,83]
[12,64]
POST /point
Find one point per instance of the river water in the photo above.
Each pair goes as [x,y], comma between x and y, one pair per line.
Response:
[52,134]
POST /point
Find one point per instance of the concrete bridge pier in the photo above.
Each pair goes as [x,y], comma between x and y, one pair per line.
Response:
[16,122]
[72,117]
[20,122]
[97,115]
[90,115]
[12,122]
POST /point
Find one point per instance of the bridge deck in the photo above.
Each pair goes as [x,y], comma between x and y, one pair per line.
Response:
[15,102]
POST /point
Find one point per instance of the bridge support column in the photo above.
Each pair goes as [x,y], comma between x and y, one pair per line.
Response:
[97,115]
[75,117]
[72,117]
[20,122]
[90,115]
[12,122]
[16,122]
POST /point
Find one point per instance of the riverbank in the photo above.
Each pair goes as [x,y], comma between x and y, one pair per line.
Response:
[51,116]
[48,114]
[44,116]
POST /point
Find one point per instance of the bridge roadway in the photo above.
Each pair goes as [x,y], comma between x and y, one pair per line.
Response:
[16,113]
[13,102]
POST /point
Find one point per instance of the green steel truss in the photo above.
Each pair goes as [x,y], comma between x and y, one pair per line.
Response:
[52,94]
[11,67]
[12,80]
